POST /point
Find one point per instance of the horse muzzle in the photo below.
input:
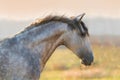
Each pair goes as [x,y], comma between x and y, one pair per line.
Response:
[88,60]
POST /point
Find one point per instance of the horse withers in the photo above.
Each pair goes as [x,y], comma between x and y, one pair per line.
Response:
[24,56]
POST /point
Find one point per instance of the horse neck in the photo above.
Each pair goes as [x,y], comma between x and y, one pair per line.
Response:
[44,39]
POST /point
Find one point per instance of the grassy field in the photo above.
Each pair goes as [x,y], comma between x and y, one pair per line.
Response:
[64,65]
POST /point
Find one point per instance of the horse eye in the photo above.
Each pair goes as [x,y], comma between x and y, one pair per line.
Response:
[83,34]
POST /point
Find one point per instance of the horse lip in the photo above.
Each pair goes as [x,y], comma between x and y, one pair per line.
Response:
[86,64]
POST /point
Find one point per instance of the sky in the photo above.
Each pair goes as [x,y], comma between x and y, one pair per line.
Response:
[30,9]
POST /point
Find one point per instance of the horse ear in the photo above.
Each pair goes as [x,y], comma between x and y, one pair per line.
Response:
[79,17]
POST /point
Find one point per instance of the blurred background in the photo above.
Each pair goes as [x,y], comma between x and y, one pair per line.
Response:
[102,19]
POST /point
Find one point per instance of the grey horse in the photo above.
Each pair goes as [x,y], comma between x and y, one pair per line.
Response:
[24,56]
